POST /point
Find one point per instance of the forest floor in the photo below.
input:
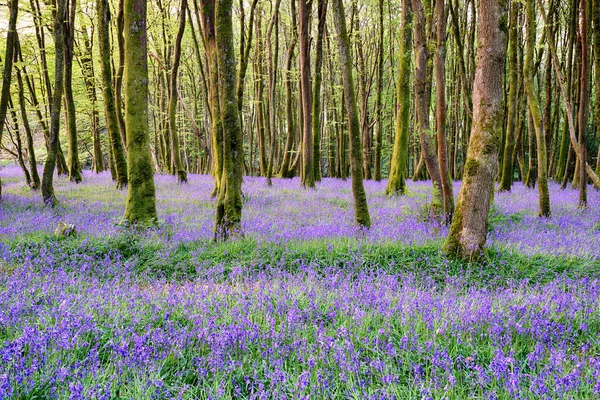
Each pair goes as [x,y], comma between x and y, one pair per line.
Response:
[305,306]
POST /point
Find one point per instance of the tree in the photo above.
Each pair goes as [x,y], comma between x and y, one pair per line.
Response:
[175,149]
[59,61]
[426,137]
[378,103]
[535,114]
[361,210]
[308,176]
[513,82]
[469,226]
[397,180]
[229,203]
[110,111]
[11,39]
[582,115]
[141,193]
[440,87]
[69,35]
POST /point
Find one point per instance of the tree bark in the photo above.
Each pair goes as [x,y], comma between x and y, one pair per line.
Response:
[141,193]
[59,61]
[110,110]
[513,78]
[397,180]
[175,150]
[361,210]
[229,204]
[535,114]
[469,226]
[11,40]
[440,91]
[316,94]
[308,176]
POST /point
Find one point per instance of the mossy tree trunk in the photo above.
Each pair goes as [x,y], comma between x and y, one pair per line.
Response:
[307,176]
[361,210]
[535,113]
[229,203]
[207,9]
[11,41]
[378,96]
[469,226]
[110,110]
[440,89]
[59,64]
[513,94]
[141,193]
[73,152]
[426,135]
[397,180]
[175,150]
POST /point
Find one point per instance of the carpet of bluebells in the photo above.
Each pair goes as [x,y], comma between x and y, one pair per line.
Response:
[79,321]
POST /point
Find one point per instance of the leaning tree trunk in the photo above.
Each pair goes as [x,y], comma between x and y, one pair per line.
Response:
[59,64]
[110,108]
[229,203]
[141,193]
[440,91]
[513,94]
[308,176]
[535,114]
[469,227]
[426,138]
[397,180]
[73,153]
[11,40]
[361,210]
[175,151]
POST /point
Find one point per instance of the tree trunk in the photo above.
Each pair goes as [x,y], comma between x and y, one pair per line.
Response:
[378,105]
[583,103]
[175,150]
[469,226]
[308,177]
[229,204]
[316,94]
[513,77]
[110,111]
[440,91]
[35,177]
[535,114]
[361,210]
[397,180]
[426,138]
[59,64]
[141,193]
[11,40]
[273,55]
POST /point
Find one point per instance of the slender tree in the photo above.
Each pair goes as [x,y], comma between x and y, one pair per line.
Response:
[440,88]
[469,226]
[59,61]
[397,180]
[361,210]
[535,114]
[378,96]
[175,148]
[141,193]
[110,111]
[308,176]
[513,82]
[582,115]
[11,39]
